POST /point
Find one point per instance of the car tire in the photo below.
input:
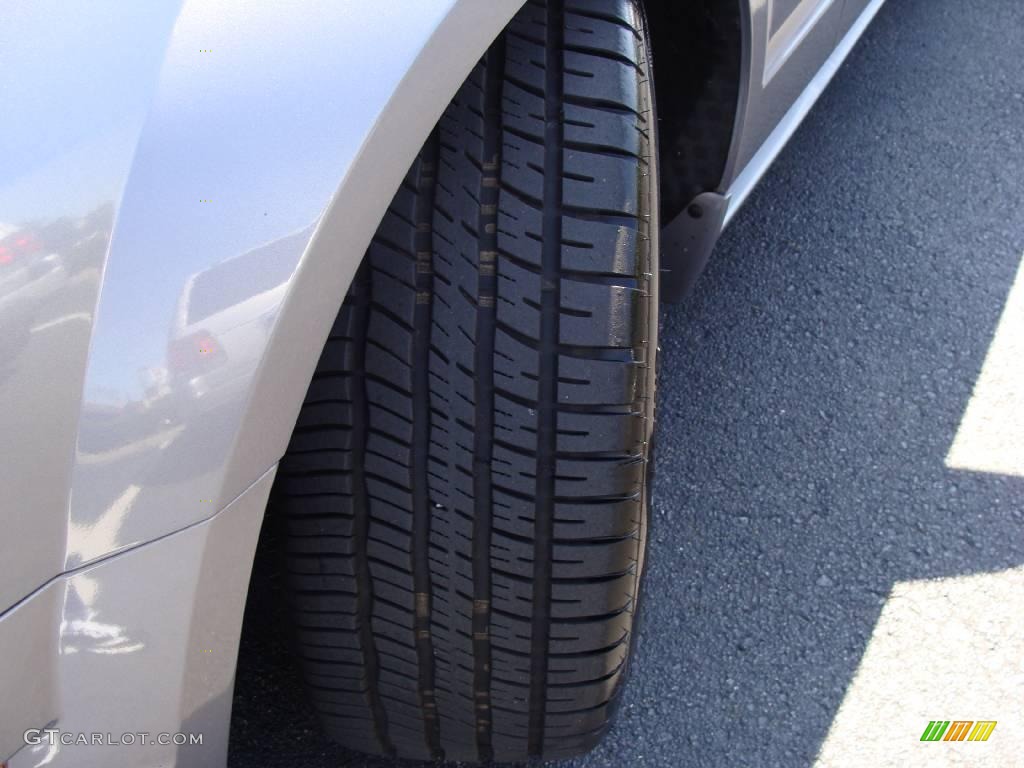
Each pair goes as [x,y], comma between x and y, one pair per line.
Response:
[466,490]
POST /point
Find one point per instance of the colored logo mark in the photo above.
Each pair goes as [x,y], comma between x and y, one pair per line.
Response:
[958,730]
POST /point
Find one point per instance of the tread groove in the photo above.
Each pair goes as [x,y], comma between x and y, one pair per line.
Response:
[547,435]
[422,323]
[361,504]
[486,314]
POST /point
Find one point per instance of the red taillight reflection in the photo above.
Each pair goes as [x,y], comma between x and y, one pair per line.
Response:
[193,354]
[27,243]
[23,244]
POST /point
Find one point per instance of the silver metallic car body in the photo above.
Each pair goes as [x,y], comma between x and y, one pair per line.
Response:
[144,401]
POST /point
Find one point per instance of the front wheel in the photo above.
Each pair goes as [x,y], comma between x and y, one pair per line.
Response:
[466,490]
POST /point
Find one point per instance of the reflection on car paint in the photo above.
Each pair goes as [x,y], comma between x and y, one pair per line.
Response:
[222,319]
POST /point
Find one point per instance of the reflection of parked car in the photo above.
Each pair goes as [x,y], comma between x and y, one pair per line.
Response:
[36,262]
[28,275]
[27,272]
[222,321]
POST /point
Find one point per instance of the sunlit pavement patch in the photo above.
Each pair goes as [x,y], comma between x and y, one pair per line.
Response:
[951,648]
[945,648]
[991,433]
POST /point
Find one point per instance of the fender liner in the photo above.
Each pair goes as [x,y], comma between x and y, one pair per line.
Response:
[687,242]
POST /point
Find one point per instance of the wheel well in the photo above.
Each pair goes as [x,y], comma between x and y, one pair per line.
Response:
[697,49]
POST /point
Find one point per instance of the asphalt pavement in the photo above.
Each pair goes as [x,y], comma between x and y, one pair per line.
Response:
[825,575]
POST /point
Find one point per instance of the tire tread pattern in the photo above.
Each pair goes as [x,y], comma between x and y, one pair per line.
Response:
[465,491]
